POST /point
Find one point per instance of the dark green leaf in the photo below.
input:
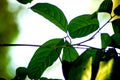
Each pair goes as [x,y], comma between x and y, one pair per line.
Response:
[117,10]
[116,40]
[111,53]
[116,25]
[81,65]
[52,13]
[83,25]
[106,6]
[25,1]
[69,53]
[66,66]
[106,40]
[96,57]
[44,57]
[21,73]
[110,65]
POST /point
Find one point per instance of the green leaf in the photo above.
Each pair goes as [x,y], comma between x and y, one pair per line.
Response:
[52,13]
[21,73]
[116,40]
[117,10]
[69,53]
[116,25]
[110,64]
[25,1]
[106,40]
[83,25]
[106,6]
[96,58]
[44,57]
[111,53]
[81,65]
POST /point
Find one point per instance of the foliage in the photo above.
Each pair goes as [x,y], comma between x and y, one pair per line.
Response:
[75,66]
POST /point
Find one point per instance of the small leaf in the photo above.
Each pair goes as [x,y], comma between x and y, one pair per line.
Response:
[117,10]
[83,25]
[44,57]
[106,40]
[21,73]
[69,53]
[52,13]
[106,6]
[25,1]
[116,25]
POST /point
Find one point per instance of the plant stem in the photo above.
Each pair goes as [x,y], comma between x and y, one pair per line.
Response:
[32,45]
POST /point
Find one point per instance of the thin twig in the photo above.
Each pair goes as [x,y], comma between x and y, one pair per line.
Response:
[32,45]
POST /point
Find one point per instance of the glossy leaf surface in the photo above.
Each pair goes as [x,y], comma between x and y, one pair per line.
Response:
[52,13]
[44,57]
[69,53]
[83,25]
[106,40]
[106,6]
[116,25]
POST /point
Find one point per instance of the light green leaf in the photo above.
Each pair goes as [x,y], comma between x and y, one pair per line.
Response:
[83,25]
[69,53]
[44,57]
[106,6]
[106,40]
[52,13]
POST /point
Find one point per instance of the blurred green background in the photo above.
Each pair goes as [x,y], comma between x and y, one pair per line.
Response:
[8,33]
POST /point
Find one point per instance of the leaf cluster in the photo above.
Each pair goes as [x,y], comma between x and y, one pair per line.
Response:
[73,64]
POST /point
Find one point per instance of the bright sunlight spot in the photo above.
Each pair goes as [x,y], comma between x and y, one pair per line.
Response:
[105,70]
